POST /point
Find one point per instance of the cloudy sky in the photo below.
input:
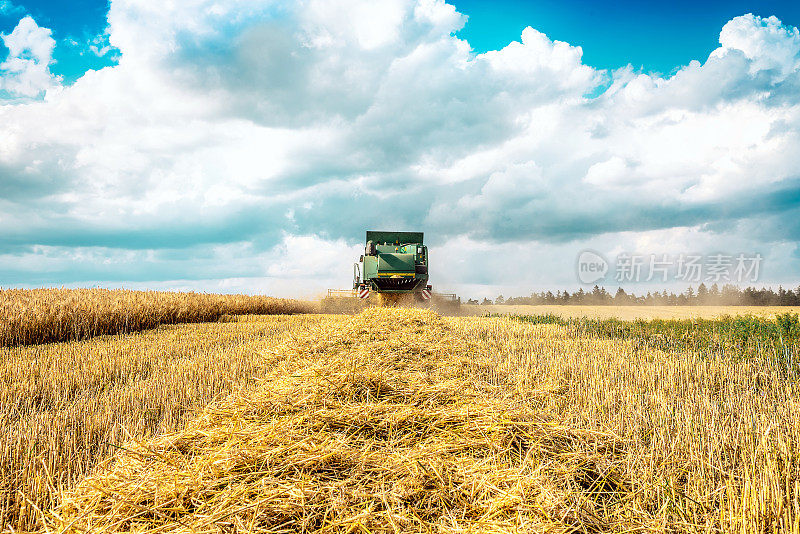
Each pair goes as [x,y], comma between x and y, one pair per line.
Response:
[243,145]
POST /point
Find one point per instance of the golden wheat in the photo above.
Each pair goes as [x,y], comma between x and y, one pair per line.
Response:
[64,406]
[403,421]
[30,316]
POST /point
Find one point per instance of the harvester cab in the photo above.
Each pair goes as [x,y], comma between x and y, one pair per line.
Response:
[393,264]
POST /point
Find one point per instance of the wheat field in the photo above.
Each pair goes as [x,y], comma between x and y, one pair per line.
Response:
[627,313]
[64,406]
[32,316]
[394,420]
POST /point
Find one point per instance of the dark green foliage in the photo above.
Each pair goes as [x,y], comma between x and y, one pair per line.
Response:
[789,325]
[547,318]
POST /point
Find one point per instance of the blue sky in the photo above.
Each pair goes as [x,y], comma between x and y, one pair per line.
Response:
[75,25]
[246,145]
[652,36]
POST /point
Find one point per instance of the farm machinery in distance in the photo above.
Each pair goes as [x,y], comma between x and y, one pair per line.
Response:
[394,271]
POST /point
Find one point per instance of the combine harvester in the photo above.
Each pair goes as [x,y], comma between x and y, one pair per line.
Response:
[393,271]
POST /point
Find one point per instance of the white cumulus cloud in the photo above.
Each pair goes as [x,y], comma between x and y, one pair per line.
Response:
[768,44]
[26,70]
[241,139]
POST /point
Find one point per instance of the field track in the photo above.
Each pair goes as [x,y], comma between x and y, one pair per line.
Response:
[395,420]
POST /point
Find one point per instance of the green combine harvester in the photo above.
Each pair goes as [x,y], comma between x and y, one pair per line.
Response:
[394,265]
[393,271]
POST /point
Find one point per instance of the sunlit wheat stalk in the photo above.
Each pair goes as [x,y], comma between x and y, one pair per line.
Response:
[31,316]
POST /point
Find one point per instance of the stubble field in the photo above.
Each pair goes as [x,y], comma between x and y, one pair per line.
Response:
[401,420]
[629,313]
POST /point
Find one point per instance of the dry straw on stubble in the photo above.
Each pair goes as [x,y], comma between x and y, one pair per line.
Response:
[403,421]
[378,426]
[65,406]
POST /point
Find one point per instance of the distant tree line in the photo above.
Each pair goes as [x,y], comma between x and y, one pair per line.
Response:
[727,295]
